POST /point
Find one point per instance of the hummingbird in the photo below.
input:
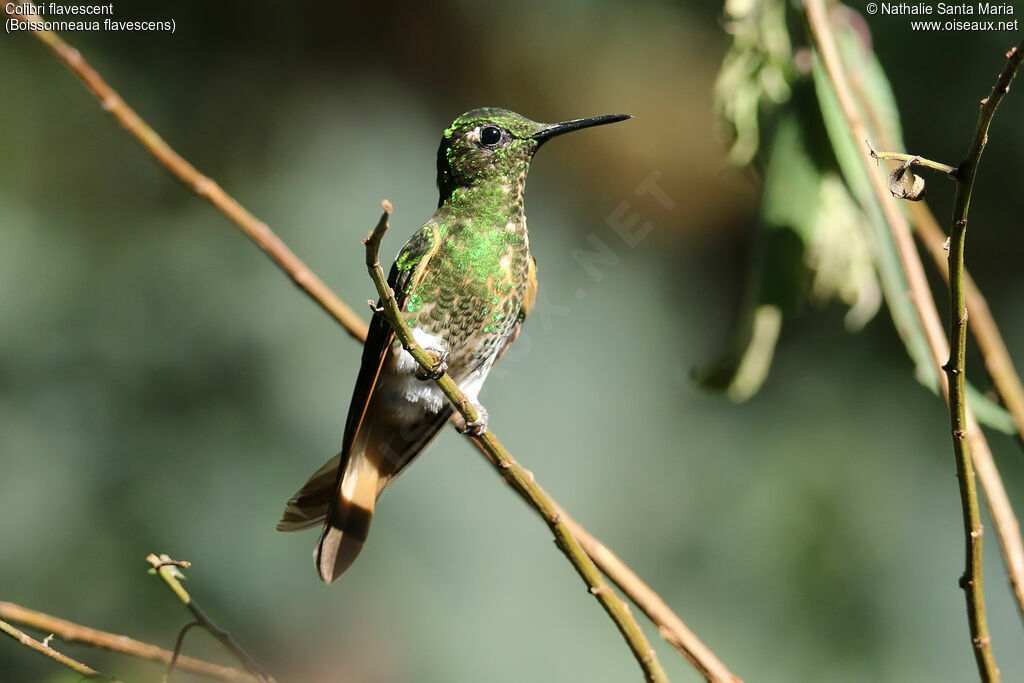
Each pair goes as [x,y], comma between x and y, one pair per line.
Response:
[464,283]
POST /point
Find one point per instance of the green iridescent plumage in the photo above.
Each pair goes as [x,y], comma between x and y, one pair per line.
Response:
[464,282]
[474,253]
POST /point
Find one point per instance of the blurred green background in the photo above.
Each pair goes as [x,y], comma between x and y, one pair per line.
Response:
[164,388]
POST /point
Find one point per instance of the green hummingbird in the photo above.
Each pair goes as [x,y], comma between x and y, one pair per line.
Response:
[464,283]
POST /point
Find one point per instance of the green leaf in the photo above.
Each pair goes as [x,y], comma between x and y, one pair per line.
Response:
[809,245]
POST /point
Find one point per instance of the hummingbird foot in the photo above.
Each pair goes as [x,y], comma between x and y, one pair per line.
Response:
[477,427]
[440,358]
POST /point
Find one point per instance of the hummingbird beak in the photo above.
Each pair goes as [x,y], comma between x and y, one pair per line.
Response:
[548,132]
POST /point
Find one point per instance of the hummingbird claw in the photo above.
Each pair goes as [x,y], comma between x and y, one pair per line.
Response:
[477,427]
[440,357]
[374,307]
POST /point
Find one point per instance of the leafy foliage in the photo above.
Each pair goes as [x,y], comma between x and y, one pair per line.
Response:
[821,236]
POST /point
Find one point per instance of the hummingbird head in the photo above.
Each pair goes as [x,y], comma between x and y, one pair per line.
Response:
[492,145]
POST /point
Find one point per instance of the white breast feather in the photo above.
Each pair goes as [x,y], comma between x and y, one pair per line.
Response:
[413,397]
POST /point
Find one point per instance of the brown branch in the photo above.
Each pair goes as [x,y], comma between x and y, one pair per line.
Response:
[511,471]
[669,625]
[253,228]
[167,569]
[47,651]
[667,622]
[70,632]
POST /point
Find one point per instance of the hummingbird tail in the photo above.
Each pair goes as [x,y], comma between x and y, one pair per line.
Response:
[309,506]
[347,522]
[344,501]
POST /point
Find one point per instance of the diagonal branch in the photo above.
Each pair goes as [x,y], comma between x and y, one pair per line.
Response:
[28,641]
[167,569]
[668,623]
[253,228]
[74,633]
[511,471]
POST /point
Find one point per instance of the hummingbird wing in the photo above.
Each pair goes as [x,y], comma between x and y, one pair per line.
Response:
[381,436]
[309,506]
[529,300]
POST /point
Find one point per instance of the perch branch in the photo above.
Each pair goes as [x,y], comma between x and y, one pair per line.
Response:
[511,471]
[1006,524]
[70,632]
[44,649]
[668,623]
[253,228]
[168,570]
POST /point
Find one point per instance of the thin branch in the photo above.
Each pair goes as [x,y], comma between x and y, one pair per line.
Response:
[261,234]
[997,361]
[1006,524]
[983,327]
[670,626]
[969,168]
[511,471]
[179,642]
[955,367]
[73,633]
[47,651]
[253,228]
[167,569]
[912,160]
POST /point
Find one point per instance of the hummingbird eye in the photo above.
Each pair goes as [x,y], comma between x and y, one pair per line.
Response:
[490,136]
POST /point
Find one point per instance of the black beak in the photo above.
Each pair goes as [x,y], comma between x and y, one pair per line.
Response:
[576,124]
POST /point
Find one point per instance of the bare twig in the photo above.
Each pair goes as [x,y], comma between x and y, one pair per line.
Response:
[955,367]
[44,649]
[997,361]
[179,642]
[667,622]
[983,327]
[972,579]
[1006,523]
[73,633]
[669,625]
[253,228]
[511,471]
[167,569]
[912,160]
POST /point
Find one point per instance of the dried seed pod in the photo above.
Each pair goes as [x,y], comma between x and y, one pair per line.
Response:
[905,184]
